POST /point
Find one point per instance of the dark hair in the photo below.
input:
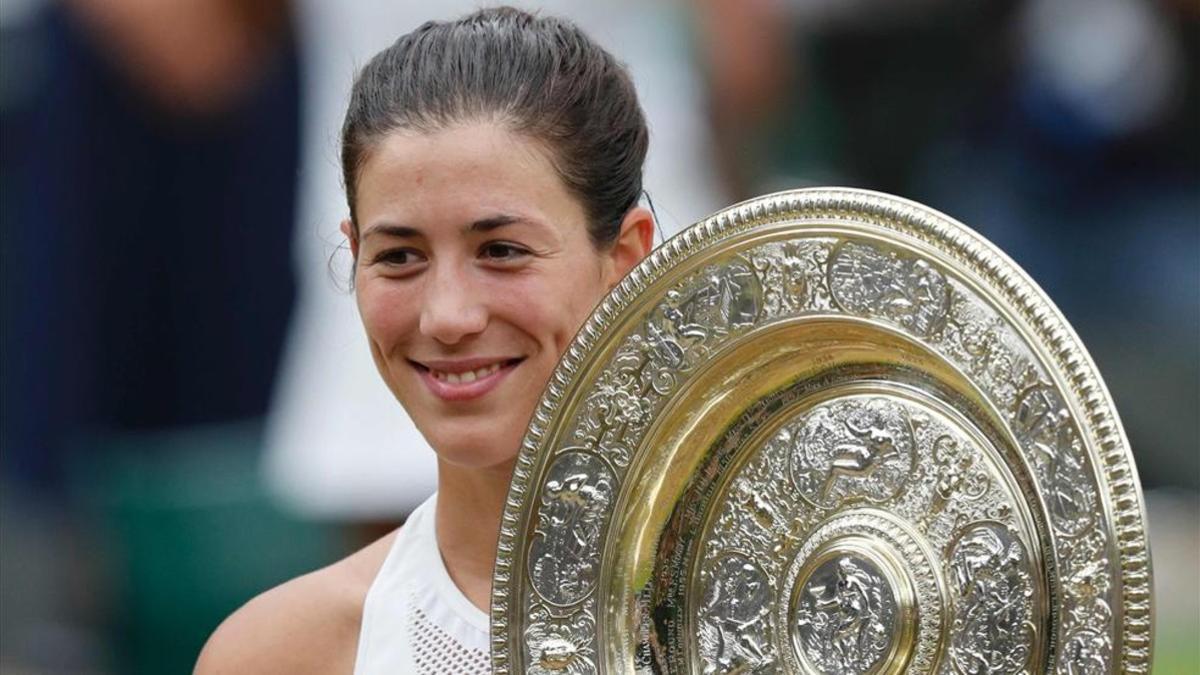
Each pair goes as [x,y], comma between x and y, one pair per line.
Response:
[538,76]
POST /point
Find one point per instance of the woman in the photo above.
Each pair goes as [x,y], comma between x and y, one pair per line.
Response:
[492,168]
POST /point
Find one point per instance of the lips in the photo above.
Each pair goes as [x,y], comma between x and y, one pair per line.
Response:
[463,379]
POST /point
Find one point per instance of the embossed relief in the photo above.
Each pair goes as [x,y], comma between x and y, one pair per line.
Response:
[959,475]
[1089,582]
[711,305]
[722,298]
[563,557]
[763,514]
[942,488]
[734,616]
[558,645]
[990,577]
[791,275]
[717,301]
[1045,424]
[846,616]
[1088,612]
[976,339]
[618,405]
[1085,652]
[851,449]
[872,281]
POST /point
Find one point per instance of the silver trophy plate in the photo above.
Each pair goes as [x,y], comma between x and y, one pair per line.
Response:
[824,431]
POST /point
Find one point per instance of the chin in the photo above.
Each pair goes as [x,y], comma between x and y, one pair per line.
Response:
[478,449]
[474,461]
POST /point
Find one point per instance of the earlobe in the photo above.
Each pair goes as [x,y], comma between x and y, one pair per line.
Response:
[634,242]
[347,228]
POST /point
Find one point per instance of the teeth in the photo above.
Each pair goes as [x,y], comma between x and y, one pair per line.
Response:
[467,377]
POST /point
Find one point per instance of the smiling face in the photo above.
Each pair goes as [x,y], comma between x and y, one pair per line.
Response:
[474,271]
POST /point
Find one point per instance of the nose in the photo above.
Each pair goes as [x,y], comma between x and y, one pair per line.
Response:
[452,309]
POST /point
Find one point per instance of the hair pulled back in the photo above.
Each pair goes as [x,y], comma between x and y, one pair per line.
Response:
[541,77]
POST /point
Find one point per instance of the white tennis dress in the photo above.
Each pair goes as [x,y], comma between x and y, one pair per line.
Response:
[415,620]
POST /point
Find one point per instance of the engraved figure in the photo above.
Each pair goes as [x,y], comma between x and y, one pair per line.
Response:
[1046,424]
[989,573]
[560,645]
[617,404]
[719,298]
[692,317]
[760,508]
[1089,585]
[784,271]
[665,357]
[874,446]
[850,449]
[845,615]
[730,295]
[578,491]
[871,281]
[958,475]
[1085,653]
[733,617]
[662,348]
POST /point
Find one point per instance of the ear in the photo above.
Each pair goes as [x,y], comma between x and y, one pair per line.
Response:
[348,230]
[634,241]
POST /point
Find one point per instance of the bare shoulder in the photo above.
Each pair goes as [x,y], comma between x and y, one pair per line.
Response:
[307,625]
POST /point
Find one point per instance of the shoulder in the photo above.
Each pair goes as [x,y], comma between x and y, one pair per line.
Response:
[307,625]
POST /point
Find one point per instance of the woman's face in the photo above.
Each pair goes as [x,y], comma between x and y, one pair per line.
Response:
[474,271]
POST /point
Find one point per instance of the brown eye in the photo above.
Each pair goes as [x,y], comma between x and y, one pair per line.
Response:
[500,251]
[399,257]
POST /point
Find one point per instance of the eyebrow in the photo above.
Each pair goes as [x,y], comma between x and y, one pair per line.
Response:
[481,225]
[391,230]
[489,224]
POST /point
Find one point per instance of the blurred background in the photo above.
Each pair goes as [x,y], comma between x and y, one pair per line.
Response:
[189,414]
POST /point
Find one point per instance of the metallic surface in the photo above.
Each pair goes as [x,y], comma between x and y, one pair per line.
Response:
[824,431]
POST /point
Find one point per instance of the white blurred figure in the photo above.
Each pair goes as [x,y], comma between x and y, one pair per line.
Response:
[339,446]
[1113,64]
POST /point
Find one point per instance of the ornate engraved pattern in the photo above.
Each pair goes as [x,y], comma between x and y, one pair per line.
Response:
[715,303]
[871,281]
[770,514]
[899,543]
[561,646]
[850,451]
[1085,653]
[992,629]
[846,616]
[564,554]
[719,299]
[1026,362]
[1043,423]
[734,616]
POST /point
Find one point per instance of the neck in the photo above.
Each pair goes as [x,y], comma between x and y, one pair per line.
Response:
[469,505]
